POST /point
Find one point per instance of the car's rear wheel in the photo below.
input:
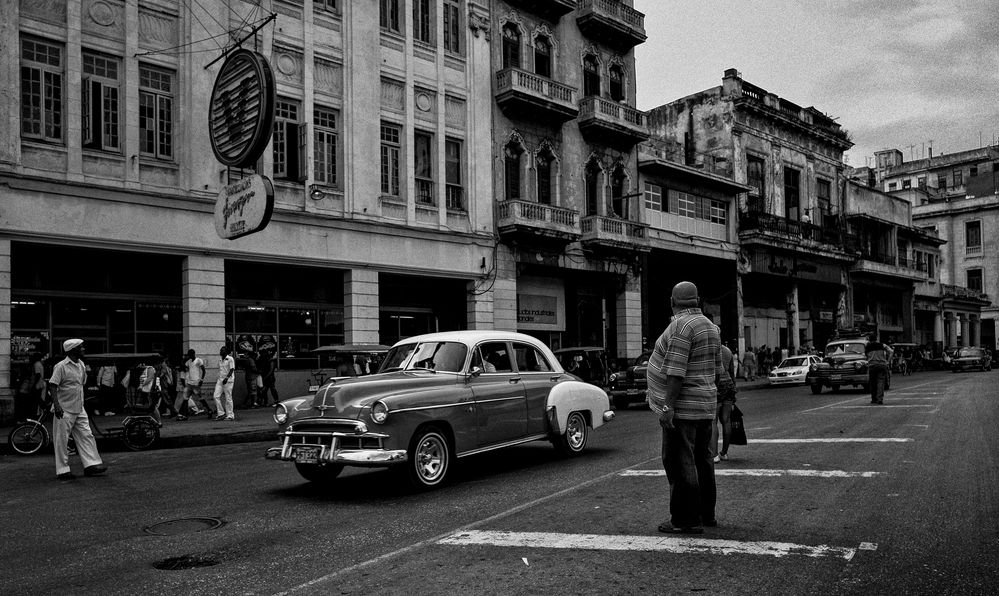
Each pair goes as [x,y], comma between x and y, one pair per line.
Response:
[816,389]
[621,403]
[319,474]
[429,458]
[573,440]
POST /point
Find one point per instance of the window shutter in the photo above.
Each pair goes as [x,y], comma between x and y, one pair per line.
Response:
[301,169]
[88,123]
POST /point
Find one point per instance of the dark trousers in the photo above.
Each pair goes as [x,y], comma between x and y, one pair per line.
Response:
[690,471]
[876,376]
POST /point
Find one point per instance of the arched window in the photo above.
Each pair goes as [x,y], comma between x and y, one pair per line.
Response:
[546,176]
[618,202]
[542,56]
[511,169]
[594,187]
[616,82]
[511,46]
[591,76]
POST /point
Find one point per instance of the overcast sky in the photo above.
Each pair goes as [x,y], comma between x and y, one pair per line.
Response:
[894,73]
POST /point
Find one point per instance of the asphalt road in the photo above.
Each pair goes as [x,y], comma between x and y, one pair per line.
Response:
[831,496]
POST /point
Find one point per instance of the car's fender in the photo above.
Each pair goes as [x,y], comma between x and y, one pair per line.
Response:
[574,396]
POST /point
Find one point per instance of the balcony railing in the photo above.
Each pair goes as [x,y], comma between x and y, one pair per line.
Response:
[454,197]
[537,219]
[542,96]
[974,249]
[550,9]
[612,120]
[615,232]
[425,191]
[611,21]
[774,224]
[950,291]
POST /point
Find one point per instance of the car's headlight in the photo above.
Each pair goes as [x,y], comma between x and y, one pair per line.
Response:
[379,412]
[280,414]
[813,367]
[613,377]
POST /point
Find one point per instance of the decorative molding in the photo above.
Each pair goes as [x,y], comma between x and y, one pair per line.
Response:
[157,30]
[328,77]
[288,65]
[455,112]
[515,139]
[102,13]
[393,95]
[425,101]
[50,11]
[287,11]
[105,18]
[478,21]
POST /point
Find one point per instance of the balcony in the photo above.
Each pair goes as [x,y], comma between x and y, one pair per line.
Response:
[612,122]
[962,293]
[519,220]
[882,264]
[615,234]
[525,94]
[772,230]
[612,23]
[551,10]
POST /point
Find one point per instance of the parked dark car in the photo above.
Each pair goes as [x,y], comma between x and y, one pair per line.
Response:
[971,359]
[844,363]
[629,385]
[437,398]
[589,363]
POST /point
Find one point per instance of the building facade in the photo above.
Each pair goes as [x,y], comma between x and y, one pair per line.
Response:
[381,159]
[572,238]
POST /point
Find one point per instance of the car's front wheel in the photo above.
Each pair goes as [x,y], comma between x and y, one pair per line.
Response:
[429,458]
[319,474]
[573,440]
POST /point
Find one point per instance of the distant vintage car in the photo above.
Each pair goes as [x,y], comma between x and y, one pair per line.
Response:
[436,398]
[589,363]
[792,370]
[630,385]
[844,363]
[971,358]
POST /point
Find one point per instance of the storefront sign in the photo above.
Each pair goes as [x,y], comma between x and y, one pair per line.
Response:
[22,346]
[241,112]
[244,207]
[826,316]
[538,310]
[795,267]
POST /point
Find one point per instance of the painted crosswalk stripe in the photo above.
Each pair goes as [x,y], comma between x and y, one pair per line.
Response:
[671,544]
[865,407]
[834,440]
[767,473]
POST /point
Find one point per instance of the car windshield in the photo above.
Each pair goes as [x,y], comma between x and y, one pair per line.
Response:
[970,352]
[792,362]
[845,348]
[440,356]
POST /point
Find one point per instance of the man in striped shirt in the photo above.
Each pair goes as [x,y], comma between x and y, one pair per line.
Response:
[682,392]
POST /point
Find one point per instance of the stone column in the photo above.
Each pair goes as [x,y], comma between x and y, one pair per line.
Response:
[505,290]
[629,319]
[360,306]
[975,329]
[938,327]
[951,330]
[793,319]
[6,395]
[965,331]
[203,286]
[479,305]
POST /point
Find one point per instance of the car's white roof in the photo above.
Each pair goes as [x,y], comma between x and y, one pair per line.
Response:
[473,337]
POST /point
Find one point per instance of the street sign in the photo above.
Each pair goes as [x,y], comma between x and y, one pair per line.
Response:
[241,112]
[244,207]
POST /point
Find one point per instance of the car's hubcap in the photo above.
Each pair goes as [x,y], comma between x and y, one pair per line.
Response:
[430,458]
[574,432]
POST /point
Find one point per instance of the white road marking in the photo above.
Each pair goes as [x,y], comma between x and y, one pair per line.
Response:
[767,473]
[890,406]
[868,546]
[835,440]
[671,544]
[919,425]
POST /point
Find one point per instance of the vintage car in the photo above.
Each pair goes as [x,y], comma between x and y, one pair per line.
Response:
[437,398]
[792,371]
[844,363]
[589,363]
[971,358]
[629,385]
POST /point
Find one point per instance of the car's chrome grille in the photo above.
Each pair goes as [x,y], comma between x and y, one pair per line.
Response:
[306,433]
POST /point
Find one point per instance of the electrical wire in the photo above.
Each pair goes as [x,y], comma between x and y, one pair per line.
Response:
[200,22]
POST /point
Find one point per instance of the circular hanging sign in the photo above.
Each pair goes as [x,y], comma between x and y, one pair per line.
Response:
[244,207]
[241,113]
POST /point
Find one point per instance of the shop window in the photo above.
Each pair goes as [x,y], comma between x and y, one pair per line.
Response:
[594,187]
[792,194]
[155,112]
[511,46]
[99,93]
[455,199]
[973,237]
[756,180]
[542,56]
[511,171]
[289,141]
[391,148]
[975,280]
[41,89]
[388,16]
[616,85]
[452,26]
[653,196]
[423,21]
[591,76]
[423,148]
[255,319]
[326,146]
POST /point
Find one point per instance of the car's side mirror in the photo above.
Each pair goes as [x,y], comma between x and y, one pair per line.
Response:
[474,372]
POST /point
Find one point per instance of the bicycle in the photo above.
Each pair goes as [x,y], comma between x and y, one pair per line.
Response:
[138,432]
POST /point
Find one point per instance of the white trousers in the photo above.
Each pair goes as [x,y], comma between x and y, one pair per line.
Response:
[86,446]
[223,399]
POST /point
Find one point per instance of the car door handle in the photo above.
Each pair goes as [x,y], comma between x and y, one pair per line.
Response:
[517,380]
[555,378]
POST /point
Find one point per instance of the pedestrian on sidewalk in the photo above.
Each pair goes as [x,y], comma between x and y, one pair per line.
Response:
[223,386]
[877,369]
[749,364]
[194,370]
[682,392]
[252,380]
[265,366]
[66,390]
[107,379]
[164,376]
[726,401]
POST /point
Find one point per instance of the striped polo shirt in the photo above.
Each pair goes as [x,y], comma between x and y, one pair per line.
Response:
[690,348]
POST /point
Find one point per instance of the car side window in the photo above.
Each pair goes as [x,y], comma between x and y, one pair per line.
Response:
[495,357]
[530,360]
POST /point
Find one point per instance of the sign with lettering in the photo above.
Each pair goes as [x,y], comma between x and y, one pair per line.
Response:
[794,266]
[241,112]
[538,310]
[244,207]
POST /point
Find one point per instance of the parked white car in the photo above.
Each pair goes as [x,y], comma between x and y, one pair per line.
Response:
[792,371]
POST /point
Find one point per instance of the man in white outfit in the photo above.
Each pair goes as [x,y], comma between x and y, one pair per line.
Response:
[66,390]
[223,386]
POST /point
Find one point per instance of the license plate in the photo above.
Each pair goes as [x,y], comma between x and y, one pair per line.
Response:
[836,378]
[313,388]
[633,392]
[306,455]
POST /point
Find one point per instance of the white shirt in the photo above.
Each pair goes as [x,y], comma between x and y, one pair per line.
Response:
[194,368]
[69,378]
[226,365]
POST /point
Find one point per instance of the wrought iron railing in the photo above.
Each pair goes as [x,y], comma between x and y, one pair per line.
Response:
[454,197]
[590,106]
[518,79]
[424,191]
[617,10]
[539,212]
[950,291]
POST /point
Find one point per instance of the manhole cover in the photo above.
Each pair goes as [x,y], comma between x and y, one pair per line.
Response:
[186,562]
[187,525]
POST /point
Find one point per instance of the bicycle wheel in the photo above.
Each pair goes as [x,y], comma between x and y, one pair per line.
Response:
[140,434]
[28,438]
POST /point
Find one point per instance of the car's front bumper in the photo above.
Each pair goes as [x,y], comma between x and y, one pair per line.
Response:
[787,380]
[630,392]
[334,447]
[838,378]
